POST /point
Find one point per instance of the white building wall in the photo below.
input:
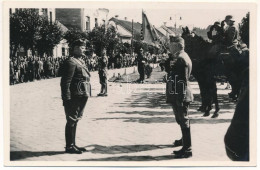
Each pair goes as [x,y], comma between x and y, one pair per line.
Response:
[57,51]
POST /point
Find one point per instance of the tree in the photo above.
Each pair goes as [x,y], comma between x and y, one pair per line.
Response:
[244,29]
[49,36]
[73,35]
[112,40]
[24,29]
[103,39]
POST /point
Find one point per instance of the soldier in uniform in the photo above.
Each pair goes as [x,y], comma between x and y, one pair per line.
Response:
[141,60]
[102,71]
[182,96]
[75,88]
[230,43]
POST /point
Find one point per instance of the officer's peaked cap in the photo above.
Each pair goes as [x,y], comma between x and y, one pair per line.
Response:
[229,18]
[79,42]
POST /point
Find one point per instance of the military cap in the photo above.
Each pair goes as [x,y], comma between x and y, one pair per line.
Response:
[217,23]
[177,39]
[229,18]
[79,42]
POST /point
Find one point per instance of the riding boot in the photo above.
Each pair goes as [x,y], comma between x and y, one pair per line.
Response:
[102,90]
[68,135]
[74,138]
[185,151]
[216,114]
[74,129]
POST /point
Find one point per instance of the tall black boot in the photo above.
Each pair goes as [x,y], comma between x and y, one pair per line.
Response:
[186,150]
[74,139]
[69,136]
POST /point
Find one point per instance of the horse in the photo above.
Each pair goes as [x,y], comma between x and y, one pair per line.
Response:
[203,69]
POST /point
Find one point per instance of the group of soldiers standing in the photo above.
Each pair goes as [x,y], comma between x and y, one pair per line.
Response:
[24,69]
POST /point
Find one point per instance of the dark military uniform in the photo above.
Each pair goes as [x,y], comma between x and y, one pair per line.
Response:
[102,71]
[181,96]
[141,60]
[230,35]
[75,88]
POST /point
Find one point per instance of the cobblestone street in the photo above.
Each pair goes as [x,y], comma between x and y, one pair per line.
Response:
[133,123]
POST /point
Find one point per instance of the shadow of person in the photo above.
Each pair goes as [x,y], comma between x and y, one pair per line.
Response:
[119,149]
[133,158]
[16,155]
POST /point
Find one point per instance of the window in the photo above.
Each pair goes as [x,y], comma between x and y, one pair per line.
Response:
[88,23]
[63,51]
[50,17]
[96,22]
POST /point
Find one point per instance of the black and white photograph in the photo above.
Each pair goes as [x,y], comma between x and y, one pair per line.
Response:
[121,83]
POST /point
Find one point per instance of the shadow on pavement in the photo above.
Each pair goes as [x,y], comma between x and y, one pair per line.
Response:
[16,155]
[201,120]
[119,149]
[98,149]
[158,100]
[134,158]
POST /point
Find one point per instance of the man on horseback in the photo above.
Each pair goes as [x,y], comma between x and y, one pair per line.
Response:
[230,55]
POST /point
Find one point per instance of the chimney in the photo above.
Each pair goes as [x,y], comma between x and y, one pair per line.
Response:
[164,23]
[126,18]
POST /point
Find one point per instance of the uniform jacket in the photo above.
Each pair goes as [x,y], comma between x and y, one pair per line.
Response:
[180,75]
[75,80]
[230,35]
[141,60]
[102,64]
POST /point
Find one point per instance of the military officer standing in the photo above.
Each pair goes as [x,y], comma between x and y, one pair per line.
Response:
[75,88]
[181,94]
[141,60]
[102,71]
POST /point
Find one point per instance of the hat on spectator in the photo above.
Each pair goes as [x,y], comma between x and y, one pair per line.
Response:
[217,23]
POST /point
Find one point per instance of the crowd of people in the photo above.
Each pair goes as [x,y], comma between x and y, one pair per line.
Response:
[31,68]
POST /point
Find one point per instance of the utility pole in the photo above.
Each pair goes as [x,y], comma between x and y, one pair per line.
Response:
[132,39]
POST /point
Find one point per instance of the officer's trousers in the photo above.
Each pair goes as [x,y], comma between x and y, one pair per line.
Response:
[74,111]
[181,113]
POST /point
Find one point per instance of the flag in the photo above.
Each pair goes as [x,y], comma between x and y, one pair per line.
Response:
[147,33]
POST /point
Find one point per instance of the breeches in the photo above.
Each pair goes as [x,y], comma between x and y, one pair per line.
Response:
[74,110]
[181,113]
[102,79]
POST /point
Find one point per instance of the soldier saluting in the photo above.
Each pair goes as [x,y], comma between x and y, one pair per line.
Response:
[75,90]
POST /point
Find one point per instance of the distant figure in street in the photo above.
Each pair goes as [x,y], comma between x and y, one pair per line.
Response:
[102,72]
[141,60]
[181,95]
[75,90]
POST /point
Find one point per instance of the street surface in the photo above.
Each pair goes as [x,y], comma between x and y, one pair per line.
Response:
[133,123]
